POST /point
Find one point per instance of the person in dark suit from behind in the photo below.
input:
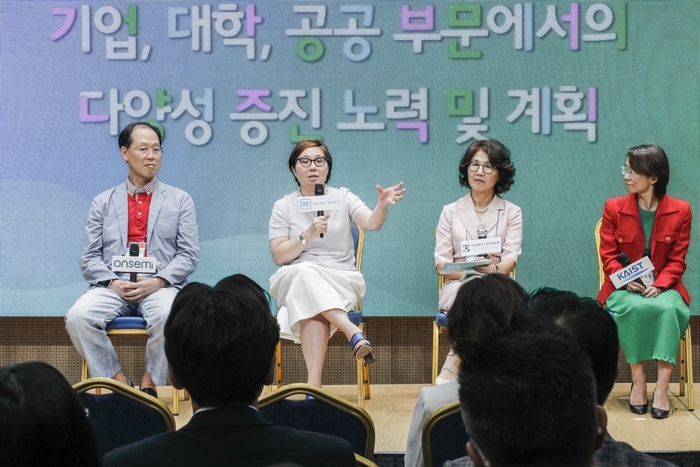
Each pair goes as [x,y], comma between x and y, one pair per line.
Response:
[220,344]
[594,329]
[528,398]
[42,421]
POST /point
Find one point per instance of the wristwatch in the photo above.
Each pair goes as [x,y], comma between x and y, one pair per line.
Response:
[302,240]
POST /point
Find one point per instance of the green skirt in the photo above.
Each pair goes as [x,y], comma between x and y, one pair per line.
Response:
[649,328]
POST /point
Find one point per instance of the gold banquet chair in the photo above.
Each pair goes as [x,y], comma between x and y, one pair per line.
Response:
[363,462]
[685,352]
[124,416]
[444,435]
[322,412]
[131,326]
[355,316]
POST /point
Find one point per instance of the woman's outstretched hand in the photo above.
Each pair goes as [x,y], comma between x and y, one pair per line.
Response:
[391,195]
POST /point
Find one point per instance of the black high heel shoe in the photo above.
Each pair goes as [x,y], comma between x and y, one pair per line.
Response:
[657,413]
[638,409]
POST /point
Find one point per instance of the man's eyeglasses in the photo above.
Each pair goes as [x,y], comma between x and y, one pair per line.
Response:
[144,151]
[306,162]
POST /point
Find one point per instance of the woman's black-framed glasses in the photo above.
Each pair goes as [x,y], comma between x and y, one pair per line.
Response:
[306,162]
[474,167]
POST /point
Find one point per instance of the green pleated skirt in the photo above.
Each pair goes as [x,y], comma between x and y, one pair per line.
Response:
[649,328]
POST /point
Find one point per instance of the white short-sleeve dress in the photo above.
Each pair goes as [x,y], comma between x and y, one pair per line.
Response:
[323,277]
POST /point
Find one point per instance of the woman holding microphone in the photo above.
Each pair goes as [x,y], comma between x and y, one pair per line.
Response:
[651,318]
[486,169]
[317,283]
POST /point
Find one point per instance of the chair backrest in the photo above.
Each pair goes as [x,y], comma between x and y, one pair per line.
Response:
[123,416]
[444,436]
[325,413]
[358,246]
[601,274]
[363,462]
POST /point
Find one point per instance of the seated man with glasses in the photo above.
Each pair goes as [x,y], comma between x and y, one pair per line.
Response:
[157,220]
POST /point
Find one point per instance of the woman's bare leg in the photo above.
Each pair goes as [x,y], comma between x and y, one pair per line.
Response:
[450,369]
[638,395]
[314,342]
[339,318]
[661,392]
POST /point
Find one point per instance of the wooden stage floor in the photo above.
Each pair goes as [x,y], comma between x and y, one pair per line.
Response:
[391,408]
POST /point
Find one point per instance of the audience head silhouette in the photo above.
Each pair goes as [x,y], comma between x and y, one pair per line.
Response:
[220,341]
[42,421]
[528,398]
[591,327]
[483,305]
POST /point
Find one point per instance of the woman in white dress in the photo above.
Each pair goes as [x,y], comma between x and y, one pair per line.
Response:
[317,283]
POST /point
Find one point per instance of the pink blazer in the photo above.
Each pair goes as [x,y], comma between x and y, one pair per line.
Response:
[458,222]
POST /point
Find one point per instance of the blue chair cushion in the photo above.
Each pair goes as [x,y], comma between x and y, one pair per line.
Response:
[355,317]
[127,322]
[441,319]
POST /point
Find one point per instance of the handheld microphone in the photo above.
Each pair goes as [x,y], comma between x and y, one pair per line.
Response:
[481,231]
[134,251]
[625,261]
[319,191]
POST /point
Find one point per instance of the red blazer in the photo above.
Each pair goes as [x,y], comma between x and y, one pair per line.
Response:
[621,232]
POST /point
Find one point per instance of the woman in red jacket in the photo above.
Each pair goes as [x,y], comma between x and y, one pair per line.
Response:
[652,318]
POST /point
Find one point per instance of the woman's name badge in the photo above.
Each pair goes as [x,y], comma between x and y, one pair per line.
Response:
[320,203]
[481,246]
[648,278]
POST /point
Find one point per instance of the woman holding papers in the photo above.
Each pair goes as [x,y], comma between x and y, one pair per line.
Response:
[317,282]
[651,318]
[481,214]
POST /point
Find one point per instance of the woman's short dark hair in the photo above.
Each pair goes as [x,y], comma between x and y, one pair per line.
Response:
[651,161]
[42,421]
[303,146]
[483,306]
[499,155]
[125,137]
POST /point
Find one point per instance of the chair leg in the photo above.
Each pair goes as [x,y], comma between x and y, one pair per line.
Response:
[360,392]
[365,375]
[682,366]
[689,368]
[176,401]
[279,364]
[436,345]
[84,372]
[363,390]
